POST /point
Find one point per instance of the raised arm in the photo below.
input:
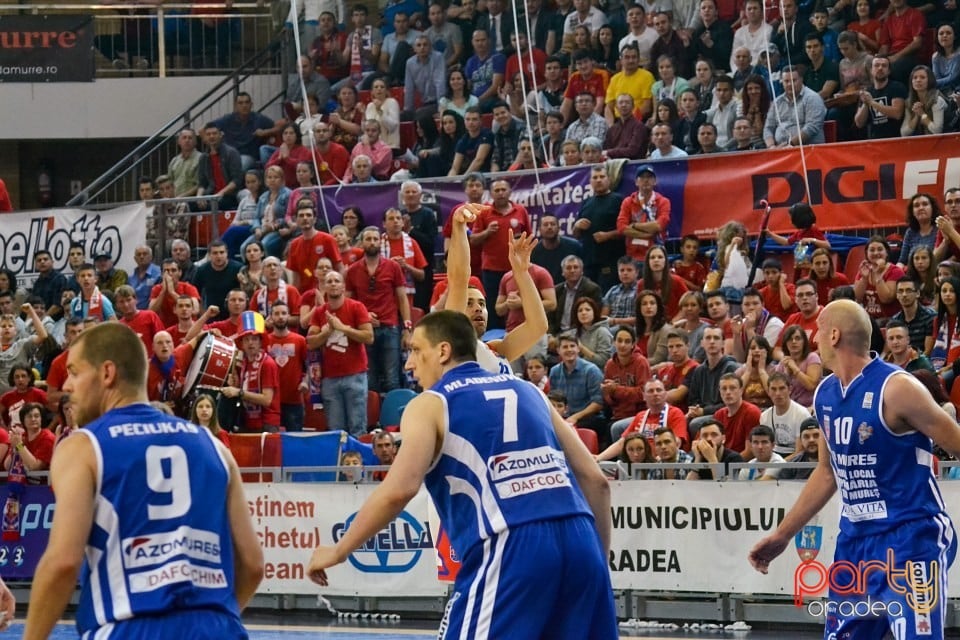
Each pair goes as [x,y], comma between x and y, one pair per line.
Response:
[534,326]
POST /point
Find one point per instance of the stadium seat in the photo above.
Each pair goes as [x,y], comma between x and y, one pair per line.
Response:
[408,135]
[787,264]
[315,418]
[830,130]
[393,405]
[366,438]
[415,314]
[256,450]
[851,267]
[589,438]
[373,408]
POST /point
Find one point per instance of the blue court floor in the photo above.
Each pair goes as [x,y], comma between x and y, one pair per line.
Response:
[378,631]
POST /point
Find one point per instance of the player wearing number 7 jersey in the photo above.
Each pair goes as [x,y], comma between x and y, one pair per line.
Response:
[877,423]
[519,494]
[149,505]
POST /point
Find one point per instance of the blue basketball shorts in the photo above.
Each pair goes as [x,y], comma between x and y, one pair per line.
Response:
[899,585]
[196,624]
[544,580]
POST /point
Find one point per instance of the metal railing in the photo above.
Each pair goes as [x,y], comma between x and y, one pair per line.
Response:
[148,38]
[152,157]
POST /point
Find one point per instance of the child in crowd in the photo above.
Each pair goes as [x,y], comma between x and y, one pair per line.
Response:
[536,370]
[351,459]
[204,413]
[688,267]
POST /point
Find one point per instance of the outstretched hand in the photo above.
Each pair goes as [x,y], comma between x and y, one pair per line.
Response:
[764,552]
[520,250]
[466,213]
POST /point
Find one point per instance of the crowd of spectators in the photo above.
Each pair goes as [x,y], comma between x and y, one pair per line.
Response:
[462,87]
[702,364]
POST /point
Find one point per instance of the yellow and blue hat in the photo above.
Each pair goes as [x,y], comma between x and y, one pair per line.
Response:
[251,322]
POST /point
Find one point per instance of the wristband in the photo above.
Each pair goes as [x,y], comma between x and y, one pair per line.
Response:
[19,447]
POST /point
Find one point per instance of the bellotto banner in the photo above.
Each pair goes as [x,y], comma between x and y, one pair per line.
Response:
[852,185]
[38,48]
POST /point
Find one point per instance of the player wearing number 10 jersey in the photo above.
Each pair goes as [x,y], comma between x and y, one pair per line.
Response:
[150,505]
[877,423]
[525,505]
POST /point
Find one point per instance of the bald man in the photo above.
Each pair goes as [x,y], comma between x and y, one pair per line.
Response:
[167,369]
[877,423]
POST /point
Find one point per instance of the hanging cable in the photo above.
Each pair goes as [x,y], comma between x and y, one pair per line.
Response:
[307,115]
[538,189]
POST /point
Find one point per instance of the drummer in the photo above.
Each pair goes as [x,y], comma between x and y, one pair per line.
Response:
[167,368]
[236,304]
[258,384]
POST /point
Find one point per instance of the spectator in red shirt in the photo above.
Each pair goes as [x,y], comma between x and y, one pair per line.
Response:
[737,416]
[348,253]
[289,351]
[623,378]
[179,330]
[236,305]
[688,267]
[145,323]
[340,328]
[32,442]
[824,275]
[808,310]
[587,78]
[657,414]
[167,369]
[274,290]
[378,283]
[5,205]
[306,248]
[331,158]
[901,38]
[509,306]
[399,246]
[163,296]
[777,292]
[473,188]
[57,373]
[493,229]
[258,383]
[876,283]
[23,392]
[644,215]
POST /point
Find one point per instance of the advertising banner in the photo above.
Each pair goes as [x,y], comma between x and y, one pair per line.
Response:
[46,48]
[851,186]
[114,231]
[292,519]
[19,558]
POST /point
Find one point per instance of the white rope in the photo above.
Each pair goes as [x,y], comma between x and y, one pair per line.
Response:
[292,18]
[538,190]
[796,111]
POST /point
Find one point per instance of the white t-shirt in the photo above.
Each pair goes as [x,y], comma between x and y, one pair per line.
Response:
[786,426]
[762,469]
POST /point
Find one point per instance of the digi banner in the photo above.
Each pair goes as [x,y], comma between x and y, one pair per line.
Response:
[114,231]
[851,186]
[292,519]
[46,48]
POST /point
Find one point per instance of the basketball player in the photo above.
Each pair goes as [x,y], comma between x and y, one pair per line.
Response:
[459,437]
[877,423]
[150,505]
[460,297]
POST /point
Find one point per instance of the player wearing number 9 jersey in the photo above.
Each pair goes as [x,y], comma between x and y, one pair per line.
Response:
[150,506]
[525,505]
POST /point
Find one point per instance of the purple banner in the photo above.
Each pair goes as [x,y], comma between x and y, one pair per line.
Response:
[560,192]
[18,559]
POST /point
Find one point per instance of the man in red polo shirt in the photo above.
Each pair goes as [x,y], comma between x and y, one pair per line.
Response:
[258,380]
[289,351]
[179,330]
[378,283]
[145,323]
[236,304]
[307,248]
[510,306]
[340,328]
[493,229]
[163,296]
[737,416]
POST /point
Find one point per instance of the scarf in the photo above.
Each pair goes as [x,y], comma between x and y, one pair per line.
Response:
[356,63]
[263,301]
[16,481]
[408,254]
[94,305]
[250,381]
[648,433]
[166,370]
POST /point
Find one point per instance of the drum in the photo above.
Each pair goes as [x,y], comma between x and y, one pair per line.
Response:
[212,363]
